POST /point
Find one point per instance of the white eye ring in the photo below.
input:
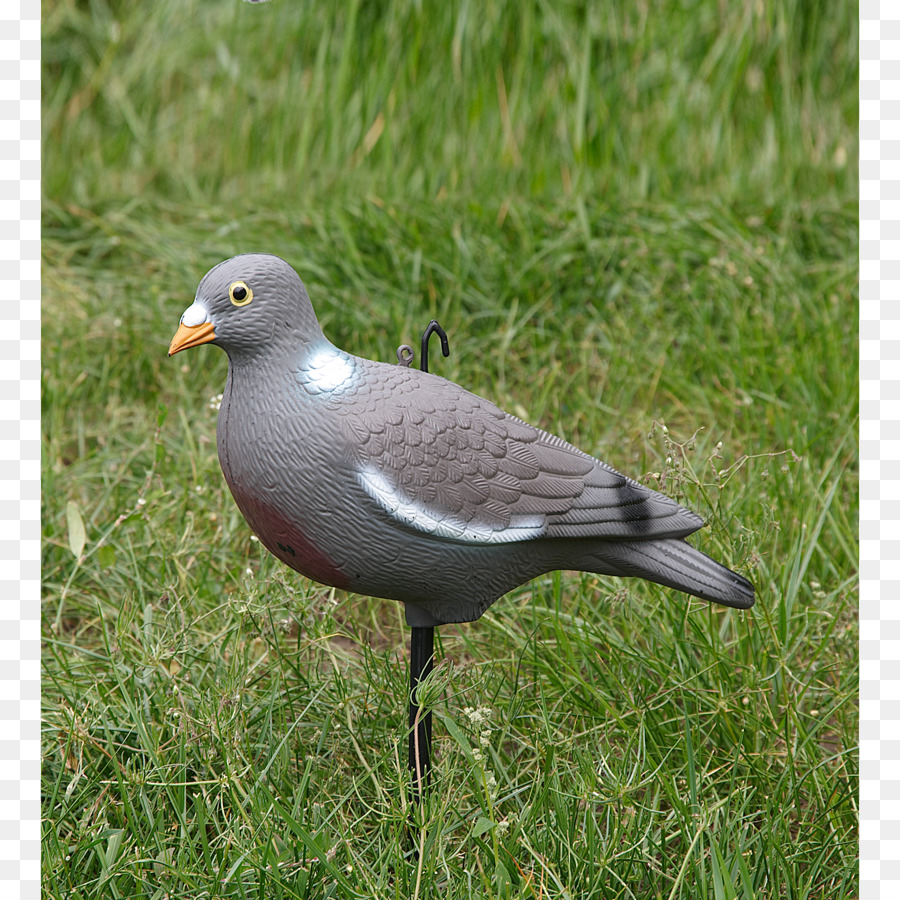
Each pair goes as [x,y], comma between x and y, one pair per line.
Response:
[240,294]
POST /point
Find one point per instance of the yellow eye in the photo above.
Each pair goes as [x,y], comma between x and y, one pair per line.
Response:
[240,294]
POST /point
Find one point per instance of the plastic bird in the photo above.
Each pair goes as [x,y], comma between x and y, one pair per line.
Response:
[395,483]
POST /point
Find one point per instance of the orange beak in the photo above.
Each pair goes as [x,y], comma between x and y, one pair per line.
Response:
[191,336]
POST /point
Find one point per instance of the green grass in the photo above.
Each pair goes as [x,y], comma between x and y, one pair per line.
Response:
[627,217]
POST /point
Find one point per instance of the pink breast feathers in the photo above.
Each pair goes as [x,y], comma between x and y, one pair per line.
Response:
[286,541]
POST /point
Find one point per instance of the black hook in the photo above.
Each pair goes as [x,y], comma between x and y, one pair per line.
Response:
[433,328]
[406,355]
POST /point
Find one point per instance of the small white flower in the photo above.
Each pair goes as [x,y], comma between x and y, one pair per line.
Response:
[491,785]
[141,501]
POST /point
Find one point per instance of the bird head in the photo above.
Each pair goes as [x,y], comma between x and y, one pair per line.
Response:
[248,305]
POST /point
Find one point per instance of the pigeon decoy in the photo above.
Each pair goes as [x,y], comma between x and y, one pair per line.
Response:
[391,482]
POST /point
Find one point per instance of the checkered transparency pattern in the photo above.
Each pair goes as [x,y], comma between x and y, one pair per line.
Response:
[20,55]
[879,332]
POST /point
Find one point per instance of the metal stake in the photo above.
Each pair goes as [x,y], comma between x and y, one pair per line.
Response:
[421,661]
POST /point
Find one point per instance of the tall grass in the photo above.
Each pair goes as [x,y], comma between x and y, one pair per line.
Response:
[625,216]
[205,101]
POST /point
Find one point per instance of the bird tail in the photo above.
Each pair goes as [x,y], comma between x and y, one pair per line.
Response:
[674,563]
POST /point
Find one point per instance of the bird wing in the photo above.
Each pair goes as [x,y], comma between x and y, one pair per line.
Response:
[441,460]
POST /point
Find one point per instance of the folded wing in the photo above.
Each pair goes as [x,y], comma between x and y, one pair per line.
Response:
[443,461]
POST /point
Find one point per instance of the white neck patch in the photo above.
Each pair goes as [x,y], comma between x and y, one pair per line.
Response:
[328,370]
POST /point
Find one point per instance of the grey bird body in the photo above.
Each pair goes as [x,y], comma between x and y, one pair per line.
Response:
[394,483]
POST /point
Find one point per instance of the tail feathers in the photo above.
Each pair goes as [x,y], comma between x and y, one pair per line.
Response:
[676,564]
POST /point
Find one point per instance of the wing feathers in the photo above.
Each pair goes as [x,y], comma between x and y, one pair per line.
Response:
[442,460]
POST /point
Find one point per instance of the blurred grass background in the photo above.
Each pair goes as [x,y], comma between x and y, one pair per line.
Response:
[624,215]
